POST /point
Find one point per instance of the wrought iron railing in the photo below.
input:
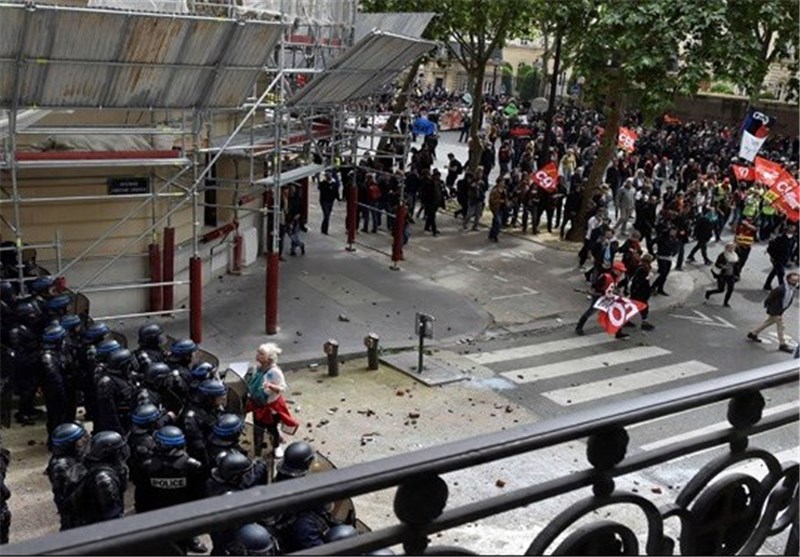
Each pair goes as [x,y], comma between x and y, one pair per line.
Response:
[719,512]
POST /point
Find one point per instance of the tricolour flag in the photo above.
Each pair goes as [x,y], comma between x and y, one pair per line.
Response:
[754,132]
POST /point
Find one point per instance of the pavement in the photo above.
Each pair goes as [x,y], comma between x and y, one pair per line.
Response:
[477,291]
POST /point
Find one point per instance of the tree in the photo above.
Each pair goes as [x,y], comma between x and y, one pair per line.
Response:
[755,35]
[528,79]
[648,49]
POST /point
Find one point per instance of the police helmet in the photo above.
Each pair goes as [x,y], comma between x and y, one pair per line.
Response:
[254,539]
[228,425]
[340,532]
[170,437]
[232,466]
[70,321]
[297,459]
[150,334]
[156,371]
[212,388]
[42,284]
[96,331]
[146,413]
[66,434]
[107,446]
[27,311]
[121,359]
[6,291]
[54,333]
[58,302]
[183,347]
[203,370]
[108,347]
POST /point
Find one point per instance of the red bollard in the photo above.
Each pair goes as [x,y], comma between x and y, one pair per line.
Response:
[154,251]
[352,208]
[237,252]
[273,260]
[397,239]
[168,291]
[304,198]
[196,299]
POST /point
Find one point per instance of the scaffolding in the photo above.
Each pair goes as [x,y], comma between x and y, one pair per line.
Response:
[265,84]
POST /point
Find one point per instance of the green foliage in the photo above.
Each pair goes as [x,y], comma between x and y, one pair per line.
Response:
[528,79]
[722,87]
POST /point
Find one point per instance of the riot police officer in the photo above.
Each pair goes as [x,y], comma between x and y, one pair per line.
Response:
[25,340]
[151,345]
[307,528]
[199,373]
[89,356]
[224,437]
[42,287]
[206,404]
[115,390]
[56,307]
[234,472]
[146,419]
[52,363]
[95,488]
[163,387]
[181,356]
[72,347]
[68,445]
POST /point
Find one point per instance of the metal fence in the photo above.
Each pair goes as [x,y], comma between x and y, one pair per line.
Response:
[719,511]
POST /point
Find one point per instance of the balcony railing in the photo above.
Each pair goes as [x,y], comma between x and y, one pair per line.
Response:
[719,512]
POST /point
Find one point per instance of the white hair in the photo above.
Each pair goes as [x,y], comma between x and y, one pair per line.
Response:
[270,350]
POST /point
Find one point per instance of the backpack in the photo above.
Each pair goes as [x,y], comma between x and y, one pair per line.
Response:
[255,387]
[373,192]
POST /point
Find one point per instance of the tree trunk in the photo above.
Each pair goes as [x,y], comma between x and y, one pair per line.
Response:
[475,146]
[398,107]
[542,89]
[608,146]
[544,156]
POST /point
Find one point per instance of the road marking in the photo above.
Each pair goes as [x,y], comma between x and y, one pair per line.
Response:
[708,429]
[423,248]
[539,349]
[473,268]
[507,296]
[754,468]
[501,279]
[449,258]
[596,361]
[703,319]
[627,383]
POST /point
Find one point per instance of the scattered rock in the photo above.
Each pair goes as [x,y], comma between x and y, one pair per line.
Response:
[656,490]
[509,409]
[313,366]
[500,483]
[400,393]
[322,423]
[298,333]
[31,442]
[344,318]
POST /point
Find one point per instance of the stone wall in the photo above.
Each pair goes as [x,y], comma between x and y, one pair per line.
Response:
[730,109]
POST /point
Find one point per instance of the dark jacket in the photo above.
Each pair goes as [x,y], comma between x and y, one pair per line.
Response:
[774,301]
[780,249]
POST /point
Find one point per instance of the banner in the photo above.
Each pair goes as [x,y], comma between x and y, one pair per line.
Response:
[744,173]
[627,139]
[754,132]
[784,194]
[615,311]
[766,171]
[547,177]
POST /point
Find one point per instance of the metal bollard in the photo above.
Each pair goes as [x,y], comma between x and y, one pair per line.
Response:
[331,348]
[371,342]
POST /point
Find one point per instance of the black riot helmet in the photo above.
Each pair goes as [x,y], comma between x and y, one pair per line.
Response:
[169,438]
[213,392]
[42,285]
[106,348]
[27,312]
[228,427]
[108,446]
[122,360]
[254,539]
[70,322]
[151,336]
[69,439]
[202,370]
[232,467]
[146,414]
[297,459]
[340,532]
[157,373]
[96,333]
[54,334]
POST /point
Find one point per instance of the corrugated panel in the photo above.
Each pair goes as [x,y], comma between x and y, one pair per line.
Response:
[85,58]
[363,70]
[409,24]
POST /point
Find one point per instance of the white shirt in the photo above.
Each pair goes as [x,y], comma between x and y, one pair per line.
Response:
[274,376]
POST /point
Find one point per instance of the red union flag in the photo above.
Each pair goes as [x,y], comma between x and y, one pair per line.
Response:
[627,139]
[784,194]
[744,173]
[615,311]
[767,172]
[546,177]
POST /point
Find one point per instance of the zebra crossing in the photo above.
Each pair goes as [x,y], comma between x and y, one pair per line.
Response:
[579,370]
[601,357]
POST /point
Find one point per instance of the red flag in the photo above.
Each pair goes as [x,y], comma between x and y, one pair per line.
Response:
[615,311]
[627,139]
[767,172]
[784,194]
[744,173]
[546,177]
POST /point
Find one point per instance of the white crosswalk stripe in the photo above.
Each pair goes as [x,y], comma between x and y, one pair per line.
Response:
[663,442]
[587,363]
[540,349]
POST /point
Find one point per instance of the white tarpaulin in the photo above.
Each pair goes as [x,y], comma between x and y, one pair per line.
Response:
[167,6]
[321,11]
